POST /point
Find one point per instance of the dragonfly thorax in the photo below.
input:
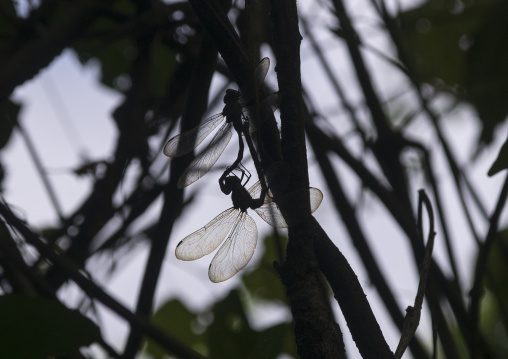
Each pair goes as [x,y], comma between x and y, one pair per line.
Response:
[231,96]
[232,108]
[239,195]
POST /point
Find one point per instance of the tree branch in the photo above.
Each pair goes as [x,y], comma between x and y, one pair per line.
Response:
[93,290]
[173,197]
[359,240]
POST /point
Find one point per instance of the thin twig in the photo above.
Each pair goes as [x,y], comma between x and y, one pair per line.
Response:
[437,195]
[331,76]
[40,169]
[173,197]
[412,319]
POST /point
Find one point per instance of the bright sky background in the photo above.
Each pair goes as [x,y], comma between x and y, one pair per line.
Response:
[66,113]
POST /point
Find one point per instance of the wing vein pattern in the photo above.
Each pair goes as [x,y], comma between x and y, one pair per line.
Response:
[186,141]
[236,251]
[207,158]
[205,240]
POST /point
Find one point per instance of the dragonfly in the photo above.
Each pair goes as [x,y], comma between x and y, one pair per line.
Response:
[236,230]
[235,115]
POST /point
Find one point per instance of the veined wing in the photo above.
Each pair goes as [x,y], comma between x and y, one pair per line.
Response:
[236,251]
[260,72]
[248,91]
[255,192]
[271,214]
[207,158]
[316,197]
[269,211]
[205,240]
[258,114]
[187,141]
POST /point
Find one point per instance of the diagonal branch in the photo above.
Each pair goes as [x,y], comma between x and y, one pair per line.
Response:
[412,319]
[349,218]
[173,197]
[93,290]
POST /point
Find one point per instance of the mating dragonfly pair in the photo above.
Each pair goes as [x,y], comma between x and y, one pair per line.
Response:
[234,226]
[236,115]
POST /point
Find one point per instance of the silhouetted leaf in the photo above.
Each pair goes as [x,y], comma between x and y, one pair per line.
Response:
[37,327]
[274,341]
[264,282]
[8,28]
[9,111]
[433,34]
[498,268]
[486,78]
[494,305]
[230,334]
[501,161]
[115,52]
[115,61]
[161,69]
[460,46]
[175,318]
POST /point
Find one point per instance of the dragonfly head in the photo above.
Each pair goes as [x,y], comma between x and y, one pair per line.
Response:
[231,96]
[230,183]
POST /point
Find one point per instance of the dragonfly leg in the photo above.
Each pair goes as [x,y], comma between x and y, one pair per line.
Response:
[245,174]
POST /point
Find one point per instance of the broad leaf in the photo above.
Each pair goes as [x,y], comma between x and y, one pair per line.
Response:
[494,303]
[432,33]
[501,161]
[274,341]
[9,111]
[264,282]
[162,67]
[460,47]
[486,78]
[175,318]
[37,327]
[230,334]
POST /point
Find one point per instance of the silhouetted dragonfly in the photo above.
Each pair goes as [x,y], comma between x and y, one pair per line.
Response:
[237,228]
[236,115]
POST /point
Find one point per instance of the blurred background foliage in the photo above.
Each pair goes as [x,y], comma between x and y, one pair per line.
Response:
[224,330]
[148,52]
[458,47]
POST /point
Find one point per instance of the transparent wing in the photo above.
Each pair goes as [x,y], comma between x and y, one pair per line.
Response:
[207,158]
[316,197]
[269,211]
[260,72]
[256,115]
[205,240]
[271,214]
[255,190]
[259,76]
[187,141]
[236,251]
